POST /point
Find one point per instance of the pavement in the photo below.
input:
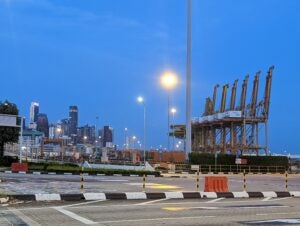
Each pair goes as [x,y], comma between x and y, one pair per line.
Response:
[43,187]
[70,184]
[119,200]
[218,211]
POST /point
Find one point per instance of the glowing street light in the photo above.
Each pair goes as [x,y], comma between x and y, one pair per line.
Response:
[169,81]
[133,138]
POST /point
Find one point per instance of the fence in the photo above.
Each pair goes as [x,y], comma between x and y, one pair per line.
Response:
[228,168]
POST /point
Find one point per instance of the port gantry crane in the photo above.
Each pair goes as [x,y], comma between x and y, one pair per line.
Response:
[232,129]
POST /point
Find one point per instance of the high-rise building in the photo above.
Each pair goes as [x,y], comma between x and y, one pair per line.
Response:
[73,123]
[86,134]
[34,111]
[52,131]
[107,136]
[42,124]
[64,127]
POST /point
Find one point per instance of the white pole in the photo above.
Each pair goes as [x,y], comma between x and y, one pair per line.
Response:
[21,141]
[144,134]
[188,146]
[168,121]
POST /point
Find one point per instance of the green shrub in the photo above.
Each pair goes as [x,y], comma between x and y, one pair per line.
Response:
[226,159]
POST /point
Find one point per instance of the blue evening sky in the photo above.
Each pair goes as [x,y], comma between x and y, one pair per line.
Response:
[102,54]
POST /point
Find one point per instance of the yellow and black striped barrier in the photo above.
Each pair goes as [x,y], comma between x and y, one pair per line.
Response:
[197,181]
[286,180]
[144,182]
[82,180]
[244,175]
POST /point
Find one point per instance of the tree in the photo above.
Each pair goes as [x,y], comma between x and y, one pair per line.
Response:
[8,134]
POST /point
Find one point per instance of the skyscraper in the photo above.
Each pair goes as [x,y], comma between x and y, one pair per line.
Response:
[42,124]
[73,122]
[86,134]
[34,111]
[107,136]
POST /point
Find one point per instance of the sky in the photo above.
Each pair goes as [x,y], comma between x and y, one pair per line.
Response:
[101,55]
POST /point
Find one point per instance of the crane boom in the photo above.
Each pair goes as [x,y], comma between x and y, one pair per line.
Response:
[244,94]
[254,95]
[268,92]
[223,101]
[233,95]
[214,96]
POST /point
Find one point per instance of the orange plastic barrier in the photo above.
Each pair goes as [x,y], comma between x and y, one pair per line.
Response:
[19,167]
[216,184]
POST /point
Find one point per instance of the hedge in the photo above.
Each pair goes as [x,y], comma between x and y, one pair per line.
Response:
[226,159]
[73,168]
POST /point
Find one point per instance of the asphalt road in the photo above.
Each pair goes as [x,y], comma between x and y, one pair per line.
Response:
[34,184]
[279,211]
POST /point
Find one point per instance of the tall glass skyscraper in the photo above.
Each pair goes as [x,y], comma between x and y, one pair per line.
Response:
[34,111]
[42,124]
[73,122]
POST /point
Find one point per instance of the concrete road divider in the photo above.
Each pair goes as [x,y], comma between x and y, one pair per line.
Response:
[148,195]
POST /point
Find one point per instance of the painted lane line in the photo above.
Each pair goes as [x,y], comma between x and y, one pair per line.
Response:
[189,208]
[23,217]
[80,204]
[266,199]
[279,199]
[155,219]
[267,214]
[74,216]
[276,221]
[215,200]
[150,202]
[258,207]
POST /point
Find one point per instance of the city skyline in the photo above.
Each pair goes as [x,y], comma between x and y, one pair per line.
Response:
[101,56]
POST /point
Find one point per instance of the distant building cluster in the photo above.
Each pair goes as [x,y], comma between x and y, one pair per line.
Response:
[68,129]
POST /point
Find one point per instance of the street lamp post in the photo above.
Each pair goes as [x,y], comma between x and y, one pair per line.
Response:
[21,140]
[169,80]
[173,111]
[125,139]
[141,100]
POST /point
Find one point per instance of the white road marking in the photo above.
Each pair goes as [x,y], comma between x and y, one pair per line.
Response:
[108,180]
[150,202]
[257,207]
[215,200]
[23,217]
[289,221]
[267,214]
[266,199]
[74,216]
[80,204]
[155,219]
[279,199]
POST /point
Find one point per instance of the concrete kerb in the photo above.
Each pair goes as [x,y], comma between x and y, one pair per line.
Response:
[147,195]
[76,173]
